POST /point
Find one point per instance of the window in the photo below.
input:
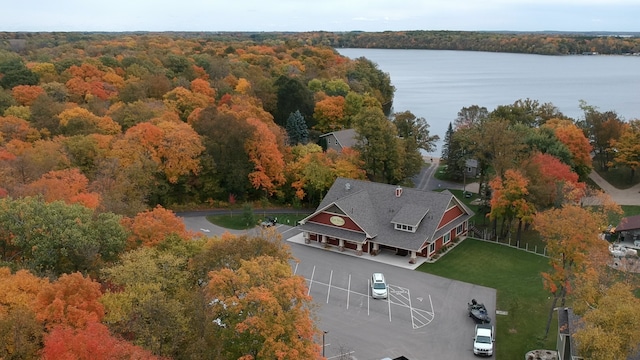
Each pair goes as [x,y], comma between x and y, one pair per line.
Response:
[432,247]
[404,227]
[446,238]
[410,228]
[459,229]
[398,227]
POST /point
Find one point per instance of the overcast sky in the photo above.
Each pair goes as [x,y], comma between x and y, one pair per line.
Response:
[327,15]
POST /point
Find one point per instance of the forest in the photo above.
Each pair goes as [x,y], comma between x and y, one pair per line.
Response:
[103,136]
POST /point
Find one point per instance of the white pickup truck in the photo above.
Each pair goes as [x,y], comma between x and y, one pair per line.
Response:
[484,339]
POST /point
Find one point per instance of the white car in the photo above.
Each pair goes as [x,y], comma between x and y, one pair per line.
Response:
[378,286]
[484,339]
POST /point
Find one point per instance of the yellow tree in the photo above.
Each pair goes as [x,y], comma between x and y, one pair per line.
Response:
[509,200]
[20,331]
[80,121]
[179,150]
[628,147]
[609,330]
[330,114]
[571,234]
[262,311]
[184,101]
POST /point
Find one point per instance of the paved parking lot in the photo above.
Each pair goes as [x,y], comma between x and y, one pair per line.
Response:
[340,289]
[424,318]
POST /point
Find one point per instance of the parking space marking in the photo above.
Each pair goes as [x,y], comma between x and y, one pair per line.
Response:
[348,291]
[311,280]
[329,291]
[397,295]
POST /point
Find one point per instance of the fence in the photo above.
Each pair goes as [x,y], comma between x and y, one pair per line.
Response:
[490,236]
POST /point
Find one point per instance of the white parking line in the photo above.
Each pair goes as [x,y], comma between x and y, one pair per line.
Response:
[397,295]
[311,280]
[296,269]
[348,291]
[341,356]
[413,324]
[329,290]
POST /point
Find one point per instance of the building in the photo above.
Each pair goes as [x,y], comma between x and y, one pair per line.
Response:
[629,231]
[567,326]
[339,140]
[369,217]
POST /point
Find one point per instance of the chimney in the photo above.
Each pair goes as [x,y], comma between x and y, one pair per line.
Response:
[398,191]
[347,186]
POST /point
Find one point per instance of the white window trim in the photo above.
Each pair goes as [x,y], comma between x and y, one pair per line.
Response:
[446,238]
[432,247]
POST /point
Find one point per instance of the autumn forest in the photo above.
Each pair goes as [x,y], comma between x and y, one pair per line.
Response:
[102,134]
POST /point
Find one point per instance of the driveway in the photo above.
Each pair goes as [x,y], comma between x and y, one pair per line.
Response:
[630,196]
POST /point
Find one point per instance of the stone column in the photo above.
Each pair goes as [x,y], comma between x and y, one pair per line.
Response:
[324,240]
[376,249]
[306,236]
[341,244]
[359,249]
[413,258]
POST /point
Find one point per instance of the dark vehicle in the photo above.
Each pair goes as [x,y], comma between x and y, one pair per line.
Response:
[478,312]
[269,222]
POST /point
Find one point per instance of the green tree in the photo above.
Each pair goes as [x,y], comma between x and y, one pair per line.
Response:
[297,129]
[152,307]
[417,129]
[470,116]
[13,72]
[601,128]
[379,146]
[293,96]
[56,238]
[364,76]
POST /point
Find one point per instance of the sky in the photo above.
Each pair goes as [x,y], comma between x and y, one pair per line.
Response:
[325,15]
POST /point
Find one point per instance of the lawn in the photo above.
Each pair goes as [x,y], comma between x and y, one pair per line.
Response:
[515,274]
[238,221]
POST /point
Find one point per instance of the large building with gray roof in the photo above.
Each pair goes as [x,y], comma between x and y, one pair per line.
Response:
[369,217]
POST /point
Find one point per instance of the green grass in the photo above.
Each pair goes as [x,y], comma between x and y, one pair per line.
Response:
[238,221]
[515,274]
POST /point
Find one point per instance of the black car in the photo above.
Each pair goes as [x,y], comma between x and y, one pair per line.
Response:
[269,222]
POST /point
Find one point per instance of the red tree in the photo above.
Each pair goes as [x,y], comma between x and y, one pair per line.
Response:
[94,342]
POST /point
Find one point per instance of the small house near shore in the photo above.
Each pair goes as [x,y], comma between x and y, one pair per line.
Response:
[338,140]
[369,217]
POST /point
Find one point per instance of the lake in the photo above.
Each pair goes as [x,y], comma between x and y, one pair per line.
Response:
[436,84]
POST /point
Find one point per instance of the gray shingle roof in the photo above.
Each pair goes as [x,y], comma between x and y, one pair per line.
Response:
[346,138]
[373,207]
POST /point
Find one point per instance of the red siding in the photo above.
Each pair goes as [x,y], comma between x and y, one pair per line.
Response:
[323,218]
[450,215]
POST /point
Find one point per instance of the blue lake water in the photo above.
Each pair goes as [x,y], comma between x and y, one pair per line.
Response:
[436,84]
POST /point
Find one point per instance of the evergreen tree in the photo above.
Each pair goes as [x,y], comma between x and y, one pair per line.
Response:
[297,129]
[447,141]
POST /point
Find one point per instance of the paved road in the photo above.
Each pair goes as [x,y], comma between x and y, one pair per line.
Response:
[629,196]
